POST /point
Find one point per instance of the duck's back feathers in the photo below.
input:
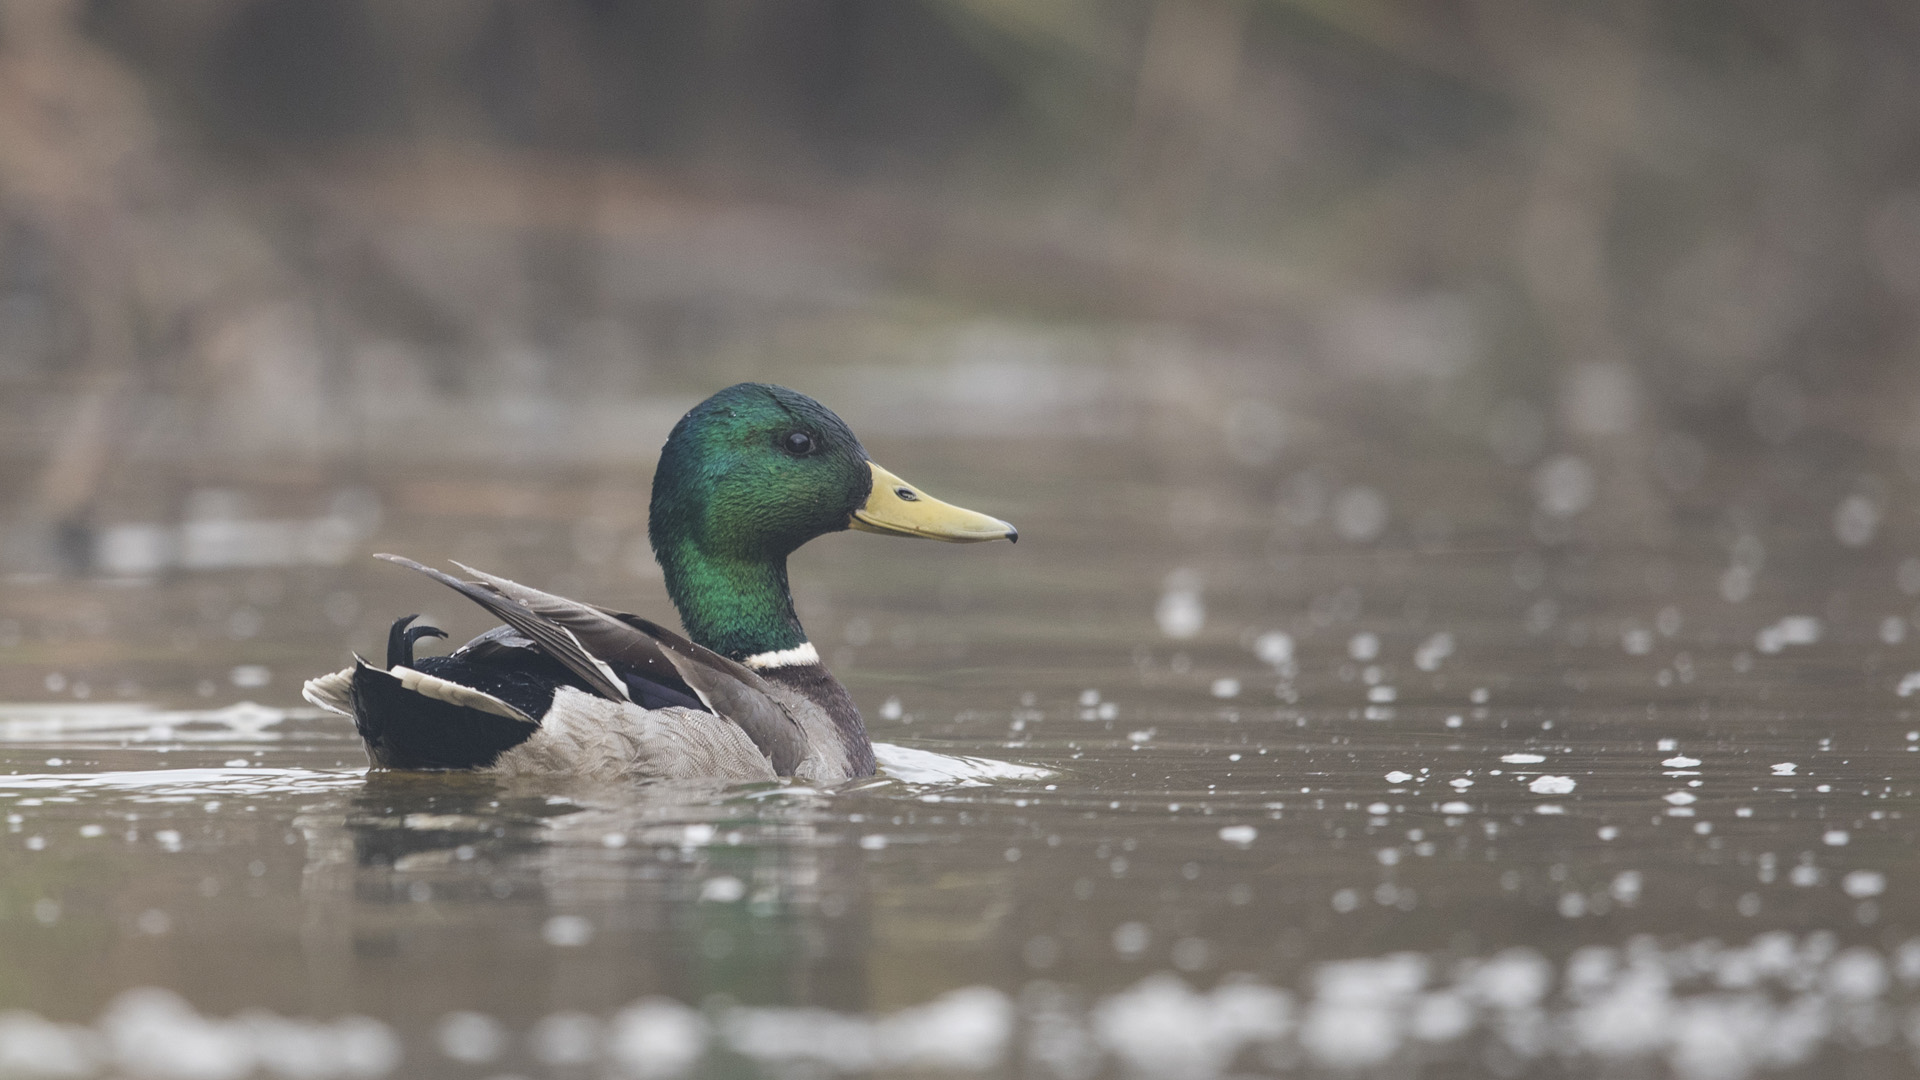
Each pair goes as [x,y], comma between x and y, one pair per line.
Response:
[569,687]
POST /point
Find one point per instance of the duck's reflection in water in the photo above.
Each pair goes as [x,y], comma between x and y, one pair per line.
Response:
[423,887]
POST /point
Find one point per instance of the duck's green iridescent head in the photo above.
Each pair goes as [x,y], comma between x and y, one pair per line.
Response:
[749,475]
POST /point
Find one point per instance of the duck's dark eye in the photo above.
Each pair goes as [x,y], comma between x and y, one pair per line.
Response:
[797,443]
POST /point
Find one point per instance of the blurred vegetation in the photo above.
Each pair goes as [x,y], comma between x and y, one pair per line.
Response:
[309,231]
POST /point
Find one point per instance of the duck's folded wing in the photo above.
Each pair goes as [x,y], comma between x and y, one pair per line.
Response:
[588,639]
[552,637]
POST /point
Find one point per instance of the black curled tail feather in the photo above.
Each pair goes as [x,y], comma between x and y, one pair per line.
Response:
[400,640]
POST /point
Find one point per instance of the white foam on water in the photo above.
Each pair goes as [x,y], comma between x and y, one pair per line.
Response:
[1691,1010]
[176,784]
[912,766]
[84,722]
[153,1034]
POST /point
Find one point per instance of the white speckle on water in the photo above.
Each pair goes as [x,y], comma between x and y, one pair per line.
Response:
[873,842]
[1460,783]
[1456,807]
[1563,486]
[1225,688]
[1835,838]
[1162,1028]
[250,676]
[1551,785]
[1855,520]
[1523,759]
[566,1039]
[890,709]
[1861,884]
[1680,762]
[1433,651]
[1398,777]
[1181,614]
[1363,646]
[657,1039]
[1909,683]
[723,889]
[1130,939]
[1359,514]
[1241,835]
[470,1037]
[1784,768]
[1637,640]
[1893,630]
[566,931]
[1609,832]
[1791,630]
[1382,694]
[1274,648]
[1140,737]
[1681,798]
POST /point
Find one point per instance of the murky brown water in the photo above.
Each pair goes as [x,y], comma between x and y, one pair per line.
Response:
[1386,764]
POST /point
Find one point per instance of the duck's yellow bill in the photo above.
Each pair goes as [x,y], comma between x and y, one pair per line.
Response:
[897,508]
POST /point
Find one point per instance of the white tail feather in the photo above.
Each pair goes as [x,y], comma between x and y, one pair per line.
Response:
[455,694]
[331,692]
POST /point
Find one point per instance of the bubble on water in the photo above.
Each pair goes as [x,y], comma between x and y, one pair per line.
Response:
[1274,648]
[657,1039]
[1359,514]
[566,1039]
[1456,807]
[1398,777]
[1792,630]
[1460,783]
[1784,768]
[1862,884]
[1161,1027]
[1181,613]
[1855,520]
[1523,759]
[1130,939]
[1600,398]
[1681,762]
[1433,651]
[1241,835]
[1835,837]
[566,931]
[1563,486]
[470,1037]
[1551,785]
[1681,798]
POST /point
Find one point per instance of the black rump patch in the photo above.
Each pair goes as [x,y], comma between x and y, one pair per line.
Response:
[405,730]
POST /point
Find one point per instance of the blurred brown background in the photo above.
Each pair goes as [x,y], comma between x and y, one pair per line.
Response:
[272,268]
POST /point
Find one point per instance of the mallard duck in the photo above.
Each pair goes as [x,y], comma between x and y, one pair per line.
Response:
[566,688]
